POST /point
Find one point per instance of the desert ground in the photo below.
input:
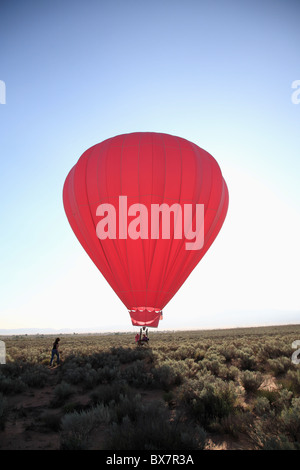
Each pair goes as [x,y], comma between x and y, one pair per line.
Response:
[233,389]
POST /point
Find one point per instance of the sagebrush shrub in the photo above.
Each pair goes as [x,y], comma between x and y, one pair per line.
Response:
[229,352]
[11,386]
[247,360]
[137,374]
[228,373]
[152,430]
[62,391]
[208,398]
[35,377]
[17,376]
[280,365]
[274,348]
[251,381]
[293,381]
[235,423]
[283,400]
[278,443]
[107,392]
[76,427]
[291,419]
[166,376]
[213,363]
[261,406]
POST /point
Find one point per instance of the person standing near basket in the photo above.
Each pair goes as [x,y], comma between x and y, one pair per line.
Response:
[55,351]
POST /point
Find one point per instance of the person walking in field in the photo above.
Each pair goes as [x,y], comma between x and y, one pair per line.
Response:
[55,351]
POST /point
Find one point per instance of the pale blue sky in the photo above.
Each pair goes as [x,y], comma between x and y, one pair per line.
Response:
[218,73]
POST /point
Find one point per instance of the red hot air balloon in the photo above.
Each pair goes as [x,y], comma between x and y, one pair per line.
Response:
[146,207]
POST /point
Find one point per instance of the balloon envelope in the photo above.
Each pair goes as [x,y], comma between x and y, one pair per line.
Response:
[146,207]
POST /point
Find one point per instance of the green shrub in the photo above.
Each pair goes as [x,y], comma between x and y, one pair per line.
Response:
[213,363]
[233,424]
[11,386]
[76,428]
[280,365]
[261,406]
[229,352]
[35,376]
[208,399]
[271,395]
[247,360]
[83,374]
[199,354]
[275,348]
[166,376]
[108,374]
[292,381]
[13,370]
[251,381]
[137,374]
[291,419]
[228,373]
[128,355]
[188,368]
[283,400]
[17,376]
[152,430]
[126,406]
[278,443]
[110,392]
[61,392]
[184,352]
